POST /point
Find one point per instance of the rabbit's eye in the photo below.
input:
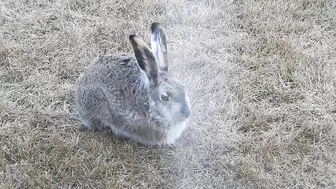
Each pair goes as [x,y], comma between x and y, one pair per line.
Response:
[164,98]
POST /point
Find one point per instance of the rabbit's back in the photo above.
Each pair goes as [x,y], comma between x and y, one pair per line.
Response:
[114,90]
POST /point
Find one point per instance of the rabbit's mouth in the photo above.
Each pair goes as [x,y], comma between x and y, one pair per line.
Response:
[183,115]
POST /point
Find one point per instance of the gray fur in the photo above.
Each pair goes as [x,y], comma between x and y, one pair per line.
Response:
[116,94]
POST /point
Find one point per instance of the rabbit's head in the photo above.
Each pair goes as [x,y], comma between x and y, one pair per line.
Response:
[167,95]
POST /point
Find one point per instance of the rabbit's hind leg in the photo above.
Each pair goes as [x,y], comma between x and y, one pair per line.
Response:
[95,125]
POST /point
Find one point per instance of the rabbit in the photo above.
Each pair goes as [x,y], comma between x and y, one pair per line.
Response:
[133,95]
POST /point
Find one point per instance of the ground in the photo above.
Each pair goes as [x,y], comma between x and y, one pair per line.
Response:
[261,76]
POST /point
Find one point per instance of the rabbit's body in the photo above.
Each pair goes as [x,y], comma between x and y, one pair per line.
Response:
[119,93]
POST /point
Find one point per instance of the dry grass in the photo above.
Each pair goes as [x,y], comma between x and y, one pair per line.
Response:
[284,58]
[261,76]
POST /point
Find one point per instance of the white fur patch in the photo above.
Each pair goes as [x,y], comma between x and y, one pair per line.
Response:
[85,123]
[175,132]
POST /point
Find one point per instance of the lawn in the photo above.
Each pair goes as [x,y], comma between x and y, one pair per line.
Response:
[261,76]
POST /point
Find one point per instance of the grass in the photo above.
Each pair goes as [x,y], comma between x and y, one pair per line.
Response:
[260,74]
[284,58]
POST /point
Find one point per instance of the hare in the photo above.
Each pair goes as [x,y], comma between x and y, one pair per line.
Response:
[134,96]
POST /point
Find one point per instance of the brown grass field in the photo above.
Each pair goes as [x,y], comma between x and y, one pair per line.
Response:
[261,77]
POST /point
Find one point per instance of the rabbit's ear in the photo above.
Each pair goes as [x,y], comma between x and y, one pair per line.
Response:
[159,46]
[145,58]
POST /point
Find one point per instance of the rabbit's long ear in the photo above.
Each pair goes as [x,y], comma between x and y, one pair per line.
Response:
[145,58]
[159,46]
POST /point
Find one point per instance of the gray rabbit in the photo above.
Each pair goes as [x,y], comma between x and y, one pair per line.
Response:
[134,96]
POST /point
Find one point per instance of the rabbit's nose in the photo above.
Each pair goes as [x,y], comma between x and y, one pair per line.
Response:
[185,111]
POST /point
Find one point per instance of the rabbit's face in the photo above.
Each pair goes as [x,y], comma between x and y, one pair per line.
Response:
[172,100]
